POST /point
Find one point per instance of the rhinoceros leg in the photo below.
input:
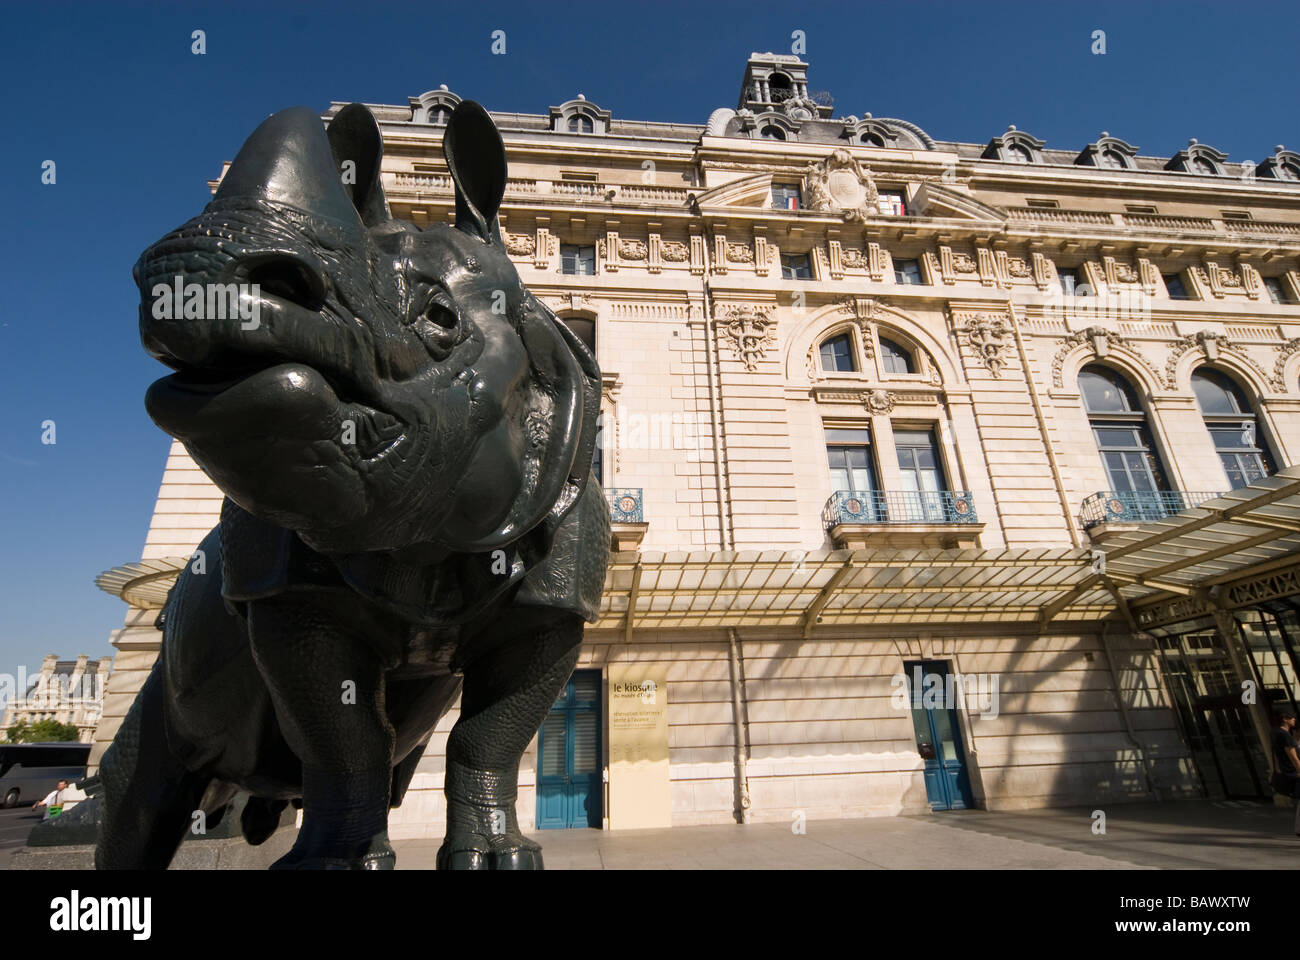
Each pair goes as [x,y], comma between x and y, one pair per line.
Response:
[149,797]
[529,655]
[326,676]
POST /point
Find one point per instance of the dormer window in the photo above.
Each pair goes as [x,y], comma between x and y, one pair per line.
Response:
[872,139]
[1019,153]
[580,116]
[772,132]
[1110,153]
[1014,146]
[434,106]
[1113,159]
[1199,159]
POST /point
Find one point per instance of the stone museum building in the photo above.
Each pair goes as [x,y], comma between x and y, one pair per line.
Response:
[941,474]
[67,691]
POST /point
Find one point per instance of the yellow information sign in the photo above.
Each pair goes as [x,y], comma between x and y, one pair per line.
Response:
[639,794]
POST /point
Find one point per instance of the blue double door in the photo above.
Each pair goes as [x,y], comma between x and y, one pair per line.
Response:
[569,783]
[938,735]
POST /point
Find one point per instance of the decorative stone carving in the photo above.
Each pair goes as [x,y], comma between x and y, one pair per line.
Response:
[1219,280]
[750,332]
[800,108]
[855,258]
[879,401]
[571,301]
[1285,352]
[840,183]
[863,310]
[1214,345]
[674,251]
[740,253]
[989,336]
[813,364]
[1018,268]
[633,249]
[963,263]
[520,245]
[1102,341]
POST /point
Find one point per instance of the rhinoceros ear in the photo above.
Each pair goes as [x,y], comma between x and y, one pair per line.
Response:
[476,159]
[358,148]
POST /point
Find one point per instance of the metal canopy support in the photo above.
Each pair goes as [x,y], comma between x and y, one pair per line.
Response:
[815,608]
[1050,610]
[633,592]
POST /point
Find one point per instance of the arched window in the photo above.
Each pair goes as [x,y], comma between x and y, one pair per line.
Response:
[584,329]
[1204,165]
[781,87]
[1111,157]
[872,139]
[1019,153]
[1119,425]
[837,353]
[580,123]
[440,114]
[1233,427]
[1288,171]
[895,358]
[772,132]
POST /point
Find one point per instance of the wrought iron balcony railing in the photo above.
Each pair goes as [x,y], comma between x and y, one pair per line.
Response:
[1114,506]
[625,505]
[899,506]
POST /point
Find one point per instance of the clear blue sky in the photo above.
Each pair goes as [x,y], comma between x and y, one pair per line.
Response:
[137,124]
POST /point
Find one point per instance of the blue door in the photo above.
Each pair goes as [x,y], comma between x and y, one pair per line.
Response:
[938,735]
[569,786]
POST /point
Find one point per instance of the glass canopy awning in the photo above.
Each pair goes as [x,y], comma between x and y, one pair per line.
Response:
[1225,551]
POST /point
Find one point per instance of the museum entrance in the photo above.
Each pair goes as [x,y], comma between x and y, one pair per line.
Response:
[569,787]
[1216,723]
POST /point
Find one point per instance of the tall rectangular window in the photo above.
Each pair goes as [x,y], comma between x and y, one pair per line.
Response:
[577,260]
[921,468]
[848,451]
[907,271]
[1174,284]
[1069,279]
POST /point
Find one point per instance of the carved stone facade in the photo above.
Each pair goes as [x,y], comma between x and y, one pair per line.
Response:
[973,284]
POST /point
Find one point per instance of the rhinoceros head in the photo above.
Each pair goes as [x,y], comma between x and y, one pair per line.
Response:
[366,383]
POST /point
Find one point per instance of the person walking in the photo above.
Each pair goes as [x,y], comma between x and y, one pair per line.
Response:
[53,802]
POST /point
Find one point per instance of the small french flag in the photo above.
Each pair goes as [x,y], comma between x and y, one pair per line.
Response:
[792,203]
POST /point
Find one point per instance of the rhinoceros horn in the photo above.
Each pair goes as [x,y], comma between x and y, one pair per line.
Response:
[288,159]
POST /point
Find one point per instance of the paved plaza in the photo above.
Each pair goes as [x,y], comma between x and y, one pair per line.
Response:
[1186,834]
